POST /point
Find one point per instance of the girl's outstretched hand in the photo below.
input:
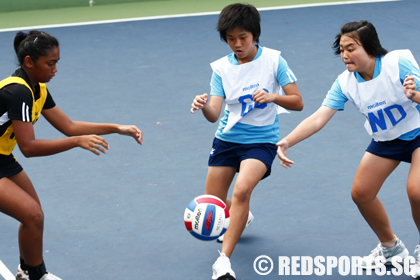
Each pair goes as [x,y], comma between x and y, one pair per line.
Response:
[281,153]
[93,143]
[200,101]
[133,131]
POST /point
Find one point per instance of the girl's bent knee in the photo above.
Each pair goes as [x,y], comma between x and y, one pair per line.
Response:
[34,220]
[241,196]
[414,196]
[360,197]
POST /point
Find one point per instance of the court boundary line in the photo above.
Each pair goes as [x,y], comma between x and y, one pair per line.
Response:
[5,272]
[188,15]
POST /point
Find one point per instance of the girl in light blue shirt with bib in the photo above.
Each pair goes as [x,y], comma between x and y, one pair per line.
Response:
[384,88]
[248,83]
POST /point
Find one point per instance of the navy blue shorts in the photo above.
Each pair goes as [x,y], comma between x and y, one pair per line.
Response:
[397,149]
[9,166]
[231,154]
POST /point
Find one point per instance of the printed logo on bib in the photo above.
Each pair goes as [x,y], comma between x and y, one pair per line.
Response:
[251,87]
[247,107]
[395,113]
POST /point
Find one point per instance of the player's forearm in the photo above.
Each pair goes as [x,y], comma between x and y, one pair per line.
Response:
[300,133]
[416,97]
[210,113]
[310,125]
[85,128]
[289,102]
[38,147]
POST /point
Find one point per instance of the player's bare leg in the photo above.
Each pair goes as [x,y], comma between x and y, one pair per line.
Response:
[218,181]
[22,203]
[370,176]
[413,191]
[251,172]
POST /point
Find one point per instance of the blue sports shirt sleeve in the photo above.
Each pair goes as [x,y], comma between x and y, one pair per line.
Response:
[216,85]
[335,98]
[407,68]
[285,75]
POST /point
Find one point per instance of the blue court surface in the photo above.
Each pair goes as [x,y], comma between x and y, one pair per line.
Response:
[120,215]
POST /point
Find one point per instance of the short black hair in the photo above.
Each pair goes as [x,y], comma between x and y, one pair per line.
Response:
[242,16]
[34,43]
[364,33]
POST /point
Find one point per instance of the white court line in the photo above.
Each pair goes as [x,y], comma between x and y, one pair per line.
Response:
[5,272]
[188,15]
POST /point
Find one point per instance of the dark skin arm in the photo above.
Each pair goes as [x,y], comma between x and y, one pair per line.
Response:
[81,134]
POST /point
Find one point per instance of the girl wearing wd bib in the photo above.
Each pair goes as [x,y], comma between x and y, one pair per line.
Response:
[23,98]
[248,81]
[384,87]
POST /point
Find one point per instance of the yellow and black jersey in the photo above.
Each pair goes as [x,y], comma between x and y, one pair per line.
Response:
[19,102]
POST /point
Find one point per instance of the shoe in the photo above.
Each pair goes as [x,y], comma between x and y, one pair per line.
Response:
[415,272]
[380,250]
[22,274]
[250,219]
[222,269]
[49,276]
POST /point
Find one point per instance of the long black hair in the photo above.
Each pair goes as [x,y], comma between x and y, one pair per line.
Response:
[34,43]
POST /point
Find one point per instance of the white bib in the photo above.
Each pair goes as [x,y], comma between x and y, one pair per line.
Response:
[389,113]
[241,81]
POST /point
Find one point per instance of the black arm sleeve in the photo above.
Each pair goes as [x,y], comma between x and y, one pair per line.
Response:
[49,102]
[17,99]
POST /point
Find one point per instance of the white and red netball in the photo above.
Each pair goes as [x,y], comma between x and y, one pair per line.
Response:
[206,217]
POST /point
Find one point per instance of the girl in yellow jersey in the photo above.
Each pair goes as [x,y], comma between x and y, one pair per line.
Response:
[23,98]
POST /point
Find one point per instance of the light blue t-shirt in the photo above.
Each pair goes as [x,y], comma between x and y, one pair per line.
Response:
[335,98]
[244,133]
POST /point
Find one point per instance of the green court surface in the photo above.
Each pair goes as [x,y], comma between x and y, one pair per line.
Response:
[131,10]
